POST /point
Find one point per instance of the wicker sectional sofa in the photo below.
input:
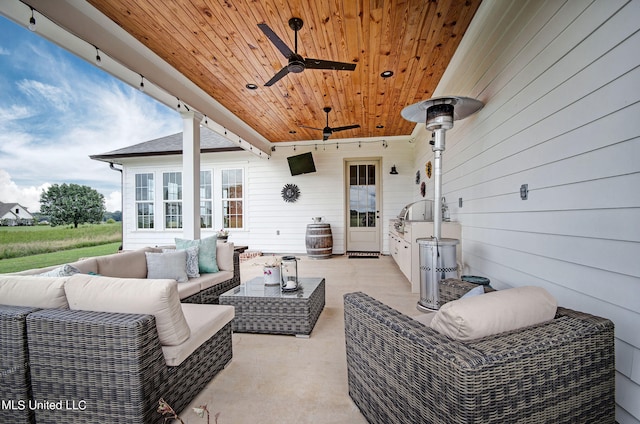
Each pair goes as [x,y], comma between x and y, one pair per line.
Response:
[63,361]
[206,288]
[402,371]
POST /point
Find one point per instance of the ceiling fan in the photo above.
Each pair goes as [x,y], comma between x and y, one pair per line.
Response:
[327,131]
[297,63]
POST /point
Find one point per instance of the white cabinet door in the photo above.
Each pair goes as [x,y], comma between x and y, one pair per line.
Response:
[404,258]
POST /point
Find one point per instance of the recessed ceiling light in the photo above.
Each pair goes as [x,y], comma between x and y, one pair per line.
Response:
[379,126]
[251,86]
[386,74]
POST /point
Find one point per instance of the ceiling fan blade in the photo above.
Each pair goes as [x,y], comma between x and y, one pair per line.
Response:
[277,77]
[311,128]
[273,37]
[346,127]
[328,64]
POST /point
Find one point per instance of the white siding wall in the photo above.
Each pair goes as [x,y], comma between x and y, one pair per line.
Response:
[561,86]
[266,213]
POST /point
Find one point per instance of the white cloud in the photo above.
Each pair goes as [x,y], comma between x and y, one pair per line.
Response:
[28,197]
[14,112]
[113,202]
[56,110]
[56,96]
[57,114]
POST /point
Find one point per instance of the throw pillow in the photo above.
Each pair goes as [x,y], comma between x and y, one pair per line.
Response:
[494,312]
[167,265]
[207,262]
[473,292]
[65,270]
[193,270]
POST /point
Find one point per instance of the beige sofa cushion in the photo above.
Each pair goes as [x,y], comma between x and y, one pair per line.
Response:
[132,264]
[204,322]
[209,280]
[224,256]
[135,296]
[494,312]
[189,288]
[33,290]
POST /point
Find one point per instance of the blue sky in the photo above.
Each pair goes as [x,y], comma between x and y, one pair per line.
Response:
[58,109]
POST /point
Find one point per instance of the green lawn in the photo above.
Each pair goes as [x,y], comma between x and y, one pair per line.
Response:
[56,258]
[40,246]
[16,242]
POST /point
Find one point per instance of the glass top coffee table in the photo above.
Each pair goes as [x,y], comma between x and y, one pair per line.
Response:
[266,309]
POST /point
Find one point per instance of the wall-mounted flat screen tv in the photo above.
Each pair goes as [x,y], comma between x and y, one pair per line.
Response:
[301,164]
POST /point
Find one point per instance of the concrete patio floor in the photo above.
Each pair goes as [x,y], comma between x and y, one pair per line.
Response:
[285,379]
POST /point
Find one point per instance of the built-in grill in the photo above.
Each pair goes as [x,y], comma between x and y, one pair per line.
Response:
[421,210]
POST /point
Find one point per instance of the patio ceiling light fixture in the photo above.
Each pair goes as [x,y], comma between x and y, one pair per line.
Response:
[32,21]
[141,83]
[98,58]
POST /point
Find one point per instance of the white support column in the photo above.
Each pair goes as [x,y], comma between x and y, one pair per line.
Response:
[191,174]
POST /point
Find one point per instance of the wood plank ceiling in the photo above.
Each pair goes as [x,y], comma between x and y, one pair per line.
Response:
[218,45]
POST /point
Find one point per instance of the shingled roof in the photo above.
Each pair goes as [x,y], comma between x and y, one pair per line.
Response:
[170,145]
[9,207]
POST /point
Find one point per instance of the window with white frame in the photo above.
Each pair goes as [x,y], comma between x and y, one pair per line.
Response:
[144,200]
[206,199]
[172,199]
[232,198]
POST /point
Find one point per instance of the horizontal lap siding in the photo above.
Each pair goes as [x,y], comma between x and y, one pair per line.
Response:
[321,194]
[266,213]
[562,114]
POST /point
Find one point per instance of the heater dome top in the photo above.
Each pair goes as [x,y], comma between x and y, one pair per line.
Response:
[462,107]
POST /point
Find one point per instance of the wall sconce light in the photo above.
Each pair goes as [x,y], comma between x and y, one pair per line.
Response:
[394,170]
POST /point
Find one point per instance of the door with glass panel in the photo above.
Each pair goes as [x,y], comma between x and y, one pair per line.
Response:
[363,200]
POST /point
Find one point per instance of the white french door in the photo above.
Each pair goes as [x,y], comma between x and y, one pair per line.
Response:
[363,200]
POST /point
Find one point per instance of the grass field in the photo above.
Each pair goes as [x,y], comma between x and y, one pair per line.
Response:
[39,246]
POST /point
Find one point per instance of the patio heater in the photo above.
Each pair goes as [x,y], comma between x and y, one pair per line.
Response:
[438,255]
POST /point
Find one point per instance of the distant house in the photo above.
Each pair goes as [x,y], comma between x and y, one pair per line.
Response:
[12,214]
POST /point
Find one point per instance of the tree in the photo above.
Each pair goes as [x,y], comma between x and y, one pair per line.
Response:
[116,216]
[72,204]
